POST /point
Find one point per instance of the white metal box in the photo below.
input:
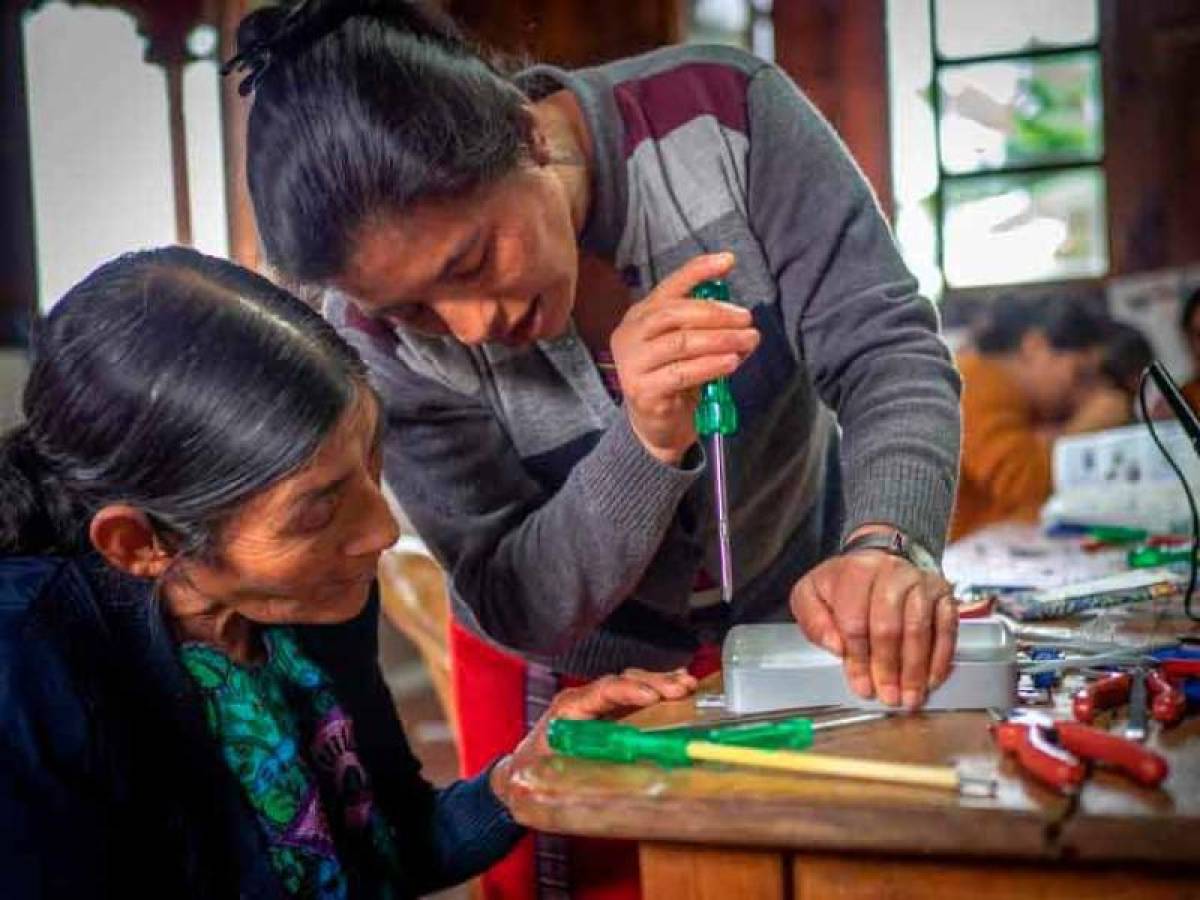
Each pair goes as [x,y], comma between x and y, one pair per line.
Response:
[769,667]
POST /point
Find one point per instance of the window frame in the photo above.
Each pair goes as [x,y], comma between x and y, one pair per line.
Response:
[939,63]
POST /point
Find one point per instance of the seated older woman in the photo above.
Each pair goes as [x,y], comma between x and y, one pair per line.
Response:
[190,520]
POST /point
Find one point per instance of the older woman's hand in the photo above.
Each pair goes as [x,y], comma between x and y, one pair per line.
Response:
[606,697]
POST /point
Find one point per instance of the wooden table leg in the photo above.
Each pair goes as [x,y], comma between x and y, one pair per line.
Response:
[697,872]
[816,877]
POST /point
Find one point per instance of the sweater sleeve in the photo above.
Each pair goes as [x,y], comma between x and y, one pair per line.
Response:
[55,838]
[445,835]
[869,342]
[539,569]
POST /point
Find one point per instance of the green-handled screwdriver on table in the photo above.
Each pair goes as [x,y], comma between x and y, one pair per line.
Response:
[716,419]
[778,746]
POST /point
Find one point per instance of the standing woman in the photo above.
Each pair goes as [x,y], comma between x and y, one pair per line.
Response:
[513,258]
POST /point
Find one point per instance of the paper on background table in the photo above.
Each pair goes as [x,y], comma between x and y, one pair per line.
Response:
[1010,554]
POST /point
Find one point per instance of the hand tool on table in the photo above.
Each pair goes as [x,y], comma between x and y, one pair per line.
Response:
[1149,557]
[1167,701]
[619,743]
[1057,753]
[1135,725]
[1116,534]
[716,418]
[1181,665]
[1046,679]
[791,731]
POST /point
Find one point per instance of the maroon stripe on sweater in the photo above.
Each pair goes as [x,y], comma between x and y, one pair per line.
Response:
[653,107]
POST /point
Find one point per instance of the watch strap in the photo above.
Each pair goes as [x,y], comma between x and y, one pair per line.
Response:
[895,543]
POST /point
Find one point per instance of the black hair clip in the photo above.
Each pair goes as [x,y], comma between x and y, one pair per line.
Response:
[253,61]
[285,33]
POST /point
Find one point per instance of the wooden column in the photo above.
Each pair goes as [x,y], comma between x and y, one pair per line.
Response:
[18,265]
[243,233]
[179,165]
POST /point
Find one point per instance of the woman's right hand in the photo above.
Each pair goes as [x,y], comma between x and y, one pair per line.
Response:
[669,345]
[604,698]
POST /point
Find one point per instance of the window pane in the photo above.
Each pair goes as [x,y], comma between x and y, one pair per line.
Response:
[916,233]
[1020,112]
[720,22]
[914,140]
[910,69]
[1003,229]
[979,27]
[762,37]
[205,157]
[99,141]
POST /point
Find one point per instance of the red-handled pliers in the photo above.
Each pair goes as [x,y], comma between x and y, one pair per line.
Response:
[1168,703]
[1054,752]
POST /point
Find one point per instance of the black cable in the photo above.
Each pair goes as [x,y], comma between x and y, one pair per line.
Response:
[1187,491]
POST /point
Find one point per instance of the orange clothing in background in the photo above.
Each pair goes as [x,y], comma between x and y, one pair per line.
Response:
[1191,393]
[1005,462]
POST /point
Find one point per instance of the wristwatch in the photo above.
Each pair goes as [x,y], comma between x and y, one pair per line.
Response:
[897,543]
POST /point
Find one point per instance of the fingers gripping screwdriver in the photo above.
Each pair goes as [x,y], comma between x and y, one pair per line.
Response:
[716,418]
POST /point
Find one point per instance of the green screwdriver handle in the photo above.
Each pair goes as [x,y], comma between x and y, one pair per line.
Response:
[795,733]
[1149,557]
[716,412]
[614,742]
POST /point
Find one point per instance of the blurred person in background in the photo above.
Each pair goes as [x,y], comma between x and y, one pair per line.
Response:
[1189,322]
[1125,357]
[1033,373]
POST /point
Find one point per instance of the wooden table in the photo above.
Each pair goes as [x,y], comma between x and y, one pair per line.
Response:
[718,835]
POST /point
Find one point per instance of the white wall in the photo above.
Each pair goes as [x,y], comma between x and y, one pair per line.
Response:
[13,368]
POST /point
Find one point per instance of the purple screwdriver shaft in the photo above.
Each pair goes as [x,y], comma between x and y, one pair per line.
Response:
[717,445]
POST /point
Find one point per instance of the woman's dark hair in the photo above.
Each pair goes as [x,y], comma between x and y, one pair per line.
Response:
[174,382]
[1067,323]
[1127,353]
[361,108]
[1190,305]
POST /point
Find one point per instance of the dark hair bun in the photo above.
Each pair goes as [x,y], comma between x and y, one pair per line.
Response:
[261,26]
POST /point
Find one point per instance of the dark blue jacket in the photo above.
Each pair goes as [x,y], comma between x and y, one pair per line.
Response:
[111,785]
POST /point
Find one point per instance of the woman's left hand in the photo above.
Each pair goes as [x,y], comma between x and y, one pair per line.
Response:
[893,625]
[605,698]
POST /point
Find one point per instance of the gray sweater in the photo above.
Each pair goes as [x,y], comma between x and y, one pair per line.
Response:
[562,538]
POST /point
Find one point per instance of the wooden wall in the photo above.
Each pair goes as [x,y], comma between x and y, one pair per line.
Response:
[1151,52]
[837,52]
[571,32]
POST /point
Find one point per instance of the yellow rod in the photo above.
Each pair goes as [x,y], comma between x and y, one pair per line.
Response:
[944,777]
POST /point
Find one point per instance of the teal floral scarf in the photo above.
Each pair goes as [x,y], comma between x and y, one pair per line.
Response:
[291,746]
